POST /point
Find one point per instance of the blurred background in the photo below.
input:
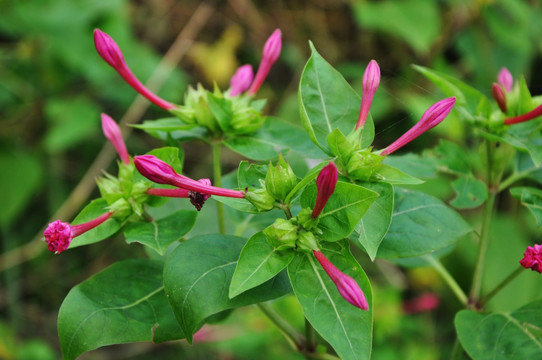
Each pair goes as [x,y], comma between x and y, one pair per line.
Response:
[53,87]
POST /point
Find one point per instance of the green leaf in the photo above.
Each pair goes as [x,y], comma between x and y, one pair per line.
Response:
[343,211]
[248,175]
[258,262]
[345,327]
[420,224]
[242,205]
[532,199]
[123,303]
[252,147]
[179,130]
[413,164]
[328,102]
[197,278]
[94,209]
[311,175]
[452,158]
[160,234]
[395,176]
[501,335]
[374,225]
[471,193]
[526,137]
[221,109]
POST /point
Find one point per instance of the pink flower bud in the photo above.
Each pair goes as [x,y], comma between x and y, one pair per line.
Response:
[371,80]
[347,286]
[113,134]
[430,118]
[111,53]
[536,112]
[505,79]
[59,235]
[325,185]
[241,80]
[160,172]
[499,96]
[270,54]
[532,258]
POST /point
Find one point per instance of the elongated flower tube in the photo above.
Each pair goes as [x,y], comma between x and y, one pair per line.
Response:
[270,54]
[241,80]
[505,79]
[114,135]
[347,286]
[371,80]
[111,53]
[430,118]
[160,172]
[59,235]
[536,112]
[197,199]
[499,96]
[325,185]
[532,258]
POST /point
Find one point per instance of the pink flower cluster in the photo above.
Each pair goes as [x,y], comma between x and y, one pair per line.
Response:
[532,258]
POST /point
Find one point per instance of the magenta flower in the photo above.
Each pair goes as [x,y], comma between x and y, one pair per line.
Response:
[113,134]
[160,172]
[197,199]
[505,79]
[241,80]
[347,286]
[270,54]
[325,185]
[59,235]
[532,258]
[499,96]
[430,118]
[111,53]
[371,80]
[536,112]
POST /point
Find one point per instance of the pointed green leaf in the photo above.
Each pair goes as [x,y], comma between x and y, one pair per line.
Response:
[413,164]
[374,225]
[248,175]
[258,262]
[171,155]
[94,209]
[252,147]
[197,278]
[502,336]
[471,193]
[160,128]
[420,224]
[532,199]
[345,327]
[160,234]
[452,158]
[123,303]
[395,176]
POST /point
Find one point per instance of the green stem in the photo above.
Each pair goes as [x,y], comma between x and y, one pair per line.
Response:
[217,177]
[297,339]
[287,211]
[512,179]
[501,286]
[449,279]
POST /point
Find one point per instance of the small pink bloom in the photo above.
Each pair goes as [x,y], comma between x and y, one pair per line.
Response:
[160,172]
[325,185]
[499,96]
[347,286]
[532,258]
[270,54]
[241,80]
[113,134]
[536,112]
[505,79]
[111,53]
[371,80]
[423,303]
[59,235]
[431,118]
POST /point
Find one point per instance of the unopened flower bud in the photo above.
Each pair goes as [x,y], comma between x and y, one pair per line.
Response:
[371,80]
[154,169]
[499,96]
[261,199]
[532,258]
[270,54]
[505,79]
[282,234]
[114,135]
[241,80]
[325,185]
[280,179]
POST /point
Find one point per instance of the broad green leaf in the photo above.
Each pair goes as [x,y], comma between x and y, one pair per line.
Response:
[516,335]
[345,327]
[420,224]
[248,175]
[471,192]
[328,102]
[524,167]
[252,147]
[374,225]
[395,176]
[94,209]
[238,204]
[527,137]
[171,155]
[413,164]
[343,210]
[197,278]
[532,199]
[180,131]
[123,303]
[258,262]
[451,158]
[160,234]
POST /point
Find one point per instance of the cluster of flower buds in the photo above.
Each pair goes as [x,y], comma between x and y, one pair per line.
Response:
[532,258]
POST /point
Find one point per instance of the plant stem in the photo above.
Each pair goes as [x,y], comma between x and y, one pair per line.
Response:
[448,278]
[297,339]
[217,177]
[501,286]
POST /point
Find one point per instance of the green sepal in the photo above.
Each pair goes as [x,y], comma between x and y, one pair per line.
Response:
[280,179]
[261,199]
[281,235]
